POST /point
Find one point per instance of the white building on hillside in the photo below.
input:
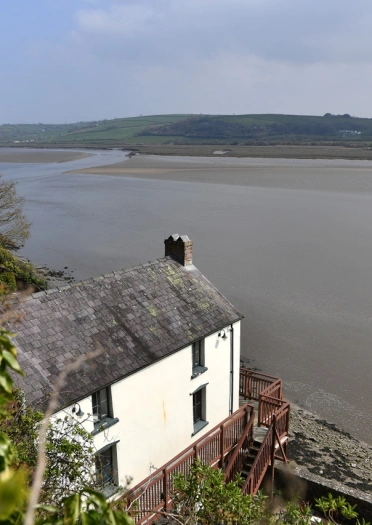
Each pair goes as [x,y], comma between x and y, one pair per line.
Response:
[169,367]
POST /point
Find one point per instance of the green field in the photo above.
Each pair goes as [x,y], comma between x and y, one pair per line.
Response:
[83,132]
[191,130]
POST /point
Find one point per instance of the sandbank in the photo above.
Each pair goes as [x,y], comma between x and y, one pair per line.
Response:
[38,156]
[303,174]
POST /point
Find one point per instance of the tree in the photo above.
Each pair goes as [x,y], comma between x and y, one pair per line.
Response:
[203,497]
[14,226]
[69,450]
[82,505]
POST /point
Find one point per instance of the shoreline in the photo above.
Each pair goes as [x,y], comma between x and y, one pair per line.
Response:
[53,278]
[40,156]
[273,151]
[323,449]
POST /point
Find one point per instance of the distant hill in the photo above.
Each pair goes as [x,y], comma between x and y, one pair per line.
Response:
[120,129]
[195,129]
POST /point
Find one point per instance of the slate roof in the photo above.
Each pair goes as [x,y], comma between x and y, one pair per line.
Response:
[139,316]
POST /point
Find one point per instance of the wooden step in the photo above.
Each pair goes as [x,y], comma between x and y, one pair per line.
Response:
[259,433]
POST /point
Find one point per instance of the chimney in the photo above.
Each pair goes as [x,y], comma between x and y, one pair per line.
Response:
[179,248]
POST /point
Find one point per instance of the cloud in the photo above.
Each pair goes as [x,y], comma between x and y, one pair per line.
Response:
[114,58]
[288,30]
[125,20]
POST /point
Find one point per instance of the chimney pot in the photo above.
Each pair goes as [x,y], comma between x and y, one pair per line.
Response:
[179,248]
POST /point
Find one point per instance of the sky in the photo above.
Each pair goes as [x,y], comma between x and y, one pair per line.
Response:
[80,60]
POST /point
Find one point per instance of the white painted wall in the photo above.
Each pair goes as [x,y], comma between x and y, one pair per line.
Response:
[154,406]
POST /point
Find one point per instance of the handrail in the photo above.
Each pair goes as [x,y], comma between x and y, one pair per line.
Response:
[282,420]
[252,384]
[273,413]
[257,373]
[154,492]
[260,464]
[267,408]
[272,389]
[237,459]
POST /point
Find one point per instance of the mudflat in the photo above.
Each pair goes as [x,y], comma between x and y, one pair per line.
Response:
[303,174]
[38,156]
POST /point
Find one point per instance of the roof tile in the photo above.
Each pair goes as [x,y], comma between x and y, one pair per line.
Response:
[137,315]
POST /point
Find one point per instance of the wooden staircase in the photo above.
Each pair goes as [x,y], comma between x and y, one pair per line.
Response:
[247,442]
[267,439]
[252,455]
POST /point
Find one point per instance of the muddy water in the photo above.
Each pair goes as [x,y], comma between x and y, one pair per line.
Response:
[297,262]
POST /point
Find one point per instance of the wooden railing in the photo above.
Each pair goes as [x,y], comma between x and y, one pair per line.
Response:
[273,413]
[153,494]
[253,383]
[260,464]
[267,407]
[241,451]
[282,429]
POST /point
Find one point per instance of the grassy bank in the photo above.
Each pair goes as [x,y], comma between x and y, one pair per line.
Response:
[201,150]
[18,275]
[280,151]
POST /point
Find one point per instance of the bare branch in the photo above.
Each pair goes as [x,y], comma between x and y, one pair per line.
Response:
[14,226]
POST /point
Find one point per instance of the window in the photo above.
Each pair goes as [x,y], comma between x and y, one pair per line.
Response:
[102,411]
[100,402]
[199,408]
[196,355]
[106,469]
[198,359]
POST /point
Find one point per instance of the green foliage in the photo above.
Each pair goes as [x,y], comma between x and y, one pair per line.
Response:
[274,128]
[8,361]
[337,510]
[12,484]
[70,455]
[21,425]
[88,507]
[11,265]
[69,450]
[8,278]
[293,514]
[13,494]
[202,497]
[70,459]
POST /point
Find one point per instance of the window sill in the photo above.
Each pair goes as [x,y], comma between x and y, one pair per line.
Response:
[198,426]
[198,370]
[109,490]
[103,424]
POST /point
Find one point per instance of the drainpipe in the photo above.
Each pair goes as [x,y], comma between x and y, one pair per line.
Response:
[231,369]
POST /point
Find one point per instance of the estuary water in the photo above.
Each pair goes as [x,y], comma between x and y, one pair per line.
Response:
[296,261]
